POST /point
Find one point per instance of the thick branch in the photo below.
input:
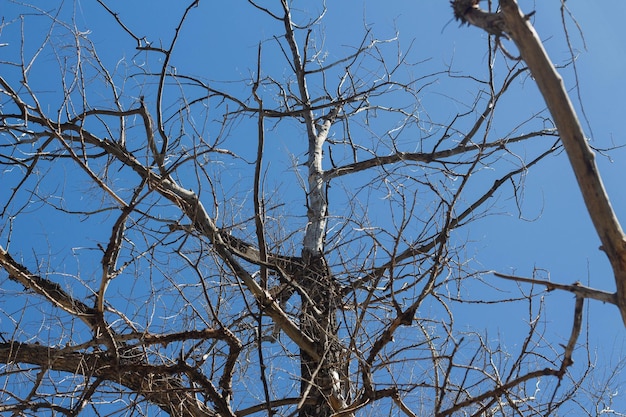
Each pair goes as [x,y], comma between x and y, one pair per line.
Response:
[48,289]
[578,150]
[191,205]
[156,383]
[467,11]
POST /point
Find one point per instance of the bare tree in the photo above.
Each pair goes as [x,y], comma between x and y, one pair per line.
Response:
[287,244]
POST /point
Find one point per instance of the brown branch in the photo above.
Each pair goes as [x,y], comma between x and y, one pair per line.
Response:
[264,406]
[417,249]
[581,157]
[191,205]
[468,11]
[111,254]
[425,157]
[157,384]
[500,390]
[48,289]
[402,406]
[512,22]
[576,288]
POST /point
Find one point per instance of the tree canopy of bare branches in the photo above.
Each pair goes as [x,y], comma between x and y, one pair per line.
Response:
[287,240]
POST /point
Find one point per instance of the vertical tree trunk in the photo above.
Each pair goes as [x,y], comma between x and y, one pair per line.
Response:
[320,377]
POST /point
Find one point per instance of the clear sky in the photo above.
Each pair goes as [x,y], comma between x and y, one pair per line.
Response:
[220,45]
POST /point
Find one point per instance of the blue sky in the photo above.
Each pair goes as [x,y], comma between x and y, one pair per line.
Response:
[220,45]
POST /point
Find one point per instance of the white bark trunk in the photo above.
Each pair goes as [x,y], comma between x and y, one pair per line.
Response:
[317,212]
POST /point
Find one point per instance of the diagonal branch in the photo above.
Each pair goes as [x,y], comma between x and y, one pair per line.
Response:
[510,21]
[576,288]
[468,11]
[581,157]
[48,289]
[427,157]
[191,205]
[419,248]
[158,384]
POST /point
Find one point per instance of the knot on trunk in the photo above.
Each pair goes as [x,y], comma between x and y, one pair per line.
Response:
[468,12]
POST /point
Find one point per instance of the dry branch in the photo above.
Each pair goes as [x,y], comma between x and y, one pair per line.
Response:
[468,11]
[576,288]
[156,383]
[182,332]
[50,290]
[582,158]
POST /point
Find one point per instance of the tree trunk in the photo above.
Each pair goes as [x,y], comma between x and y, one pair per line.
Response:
[320,384]
[320,378]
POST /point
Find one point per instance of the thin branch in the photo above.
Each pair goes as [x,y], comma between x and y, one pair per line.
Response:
[426,157]
[576,326]
[576,288]
[422,249]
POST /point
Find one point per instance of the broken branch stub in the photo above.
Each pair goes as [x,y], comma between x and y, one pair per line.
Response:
[468,11]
